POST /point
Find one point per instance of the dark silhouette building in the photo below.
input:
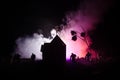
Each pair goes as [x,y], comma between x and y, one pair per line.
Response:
[54,52]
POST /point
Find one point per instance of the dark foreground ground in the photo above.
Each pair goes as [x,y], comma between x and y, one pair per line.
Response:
[41,71]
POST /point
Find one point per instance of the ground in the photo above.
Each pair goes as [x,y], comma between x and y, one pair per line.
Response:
[99,71]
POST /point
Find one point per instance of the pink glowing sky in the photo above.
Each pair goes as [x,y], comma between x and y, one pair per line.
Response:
[77,47]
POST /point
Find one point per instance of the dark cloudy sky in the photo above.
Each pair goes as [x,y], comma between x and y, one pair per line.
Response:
[27,17]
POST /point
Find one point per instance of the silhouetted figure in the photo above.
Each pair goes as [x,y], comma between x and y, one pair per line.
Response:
[33,57]
[16,59]
[77,59]
[73,57]
[88,56]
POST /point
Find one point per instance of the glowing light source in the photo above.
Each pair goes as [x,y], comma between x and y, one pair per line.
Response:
[78,47]
[53,33]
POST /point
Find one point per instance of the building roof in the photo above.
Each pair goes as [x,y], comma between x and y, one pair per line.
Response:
[57,41]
